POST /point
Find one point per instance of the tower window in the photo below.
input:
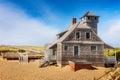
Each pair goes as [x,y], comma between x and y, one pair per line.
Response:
[87,35]
[88,17]
[77,34]
[95,18]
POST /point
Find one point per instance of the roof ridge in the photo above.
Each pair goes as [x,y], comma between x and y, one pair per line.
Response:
[89,13]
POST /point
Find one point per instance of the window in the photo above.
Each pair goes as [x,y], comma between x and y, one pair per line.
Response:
[88,17]
[78,35]
[93,48]
[54,51]
[95,18]
[65,48]
[94,26]
[87,35]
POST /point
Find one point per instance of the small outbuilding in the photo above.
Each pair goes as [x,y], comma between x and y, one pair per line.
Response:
[23,57]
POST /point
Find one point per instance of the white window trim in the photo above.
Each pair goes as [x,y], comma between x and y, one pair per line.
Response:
[79,33]
[85,35]
[67,48]
[78,50]
[94,50]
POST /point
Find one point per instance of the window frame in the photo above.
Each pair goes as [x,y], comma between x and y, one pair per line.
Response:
[95,48]
[79,34]
[65,46]
[89,35]
[78,50]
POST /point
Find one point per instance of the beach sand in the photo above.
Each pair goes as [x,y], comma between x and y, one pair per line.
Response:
[14,70]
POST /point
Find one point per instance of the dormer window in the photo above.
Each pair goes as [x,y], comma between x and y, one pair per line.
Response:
[87,35]
[77,34]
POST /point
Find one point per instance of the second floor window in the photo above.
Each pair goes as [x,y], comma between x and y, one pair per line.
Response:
[77,34]
[87,35]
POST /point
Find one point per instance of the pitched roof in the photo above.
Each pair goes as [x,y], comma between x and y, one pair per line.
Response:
[89,14]
[69,30]
[106,46]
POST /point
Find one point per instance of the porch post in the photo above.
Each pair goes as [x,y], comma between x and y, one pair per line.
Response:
[59,54]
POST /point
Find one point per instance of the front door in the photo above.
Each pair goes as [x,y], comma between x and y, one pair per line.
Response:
[76,50]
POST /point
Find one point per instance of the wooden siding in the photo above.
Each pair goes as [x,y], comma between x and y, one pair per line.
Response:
[72,37]
[85,53]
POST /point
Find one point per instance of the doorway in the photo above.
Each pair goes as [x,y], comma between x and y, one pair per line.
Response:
[76,50]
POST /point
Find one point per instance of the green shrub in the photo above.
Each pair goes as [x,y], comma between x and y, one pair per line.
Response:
[21,51]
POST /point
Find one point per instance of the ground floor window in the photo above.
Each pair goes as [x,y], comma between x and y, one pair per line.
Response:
[66,48]
[93,48]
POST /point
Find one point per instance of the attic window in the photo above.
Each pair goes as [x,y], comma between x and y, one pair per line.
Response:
[87,35]
[77,34]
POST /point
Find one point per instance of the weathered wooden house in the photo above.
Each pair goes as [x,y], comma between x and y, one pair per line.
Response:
[79,41]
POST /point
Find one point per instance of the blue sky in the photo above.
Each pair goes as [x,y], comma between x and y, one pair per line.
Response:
[36,22]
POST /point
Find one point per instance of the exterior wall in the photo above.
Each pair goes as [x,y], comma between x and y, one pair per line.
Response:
[72,36]
[93,25]
[85,53]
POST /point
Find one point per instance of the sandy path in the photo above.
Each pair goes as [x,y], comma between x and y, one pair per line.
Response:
[13,70]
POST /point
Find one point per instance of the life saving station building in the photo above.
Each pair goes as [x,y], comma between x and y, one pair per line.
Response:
[79,41]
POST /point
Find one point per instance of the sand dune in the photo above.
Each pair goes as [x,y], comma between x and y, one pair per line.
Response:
[14,70]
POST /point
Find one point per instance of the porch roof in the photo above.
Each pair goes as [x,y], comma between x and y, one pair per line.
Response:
[106,46]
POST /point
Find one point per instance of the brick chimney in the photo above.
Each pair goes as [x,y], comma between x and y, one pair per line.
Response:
[73,21]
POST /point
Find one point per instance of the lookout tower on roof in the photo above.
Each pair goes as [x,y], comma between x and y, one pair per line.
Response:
[91,20]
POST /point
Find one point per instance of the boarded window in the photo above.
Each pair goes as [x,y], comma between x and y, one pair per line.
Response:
[87,35]
[77,34]
[93,48]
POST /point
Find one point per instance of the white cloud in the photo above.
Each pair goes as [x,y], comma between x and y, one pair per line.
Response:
[17,28]
[112,34]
